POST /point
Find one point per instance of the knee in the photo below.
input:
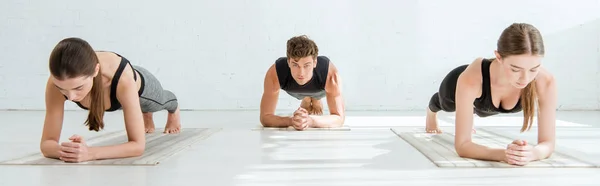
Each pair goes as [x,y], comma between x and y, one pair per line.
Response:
[448,107]
[148,111]
[434,103]
[173,106]
[170,95]
[440,103]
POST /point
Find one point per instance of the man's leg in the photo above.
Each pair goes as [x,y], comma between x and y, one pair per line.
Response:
[306,104]
[317,107]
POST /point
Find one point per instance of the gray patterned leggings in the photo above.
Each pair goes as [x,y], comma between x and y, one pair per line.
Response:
[154,98]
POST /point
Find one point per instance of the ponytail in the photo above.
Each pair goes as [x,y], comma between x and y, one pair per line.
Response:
[96,114]
[528,102]
[74,57]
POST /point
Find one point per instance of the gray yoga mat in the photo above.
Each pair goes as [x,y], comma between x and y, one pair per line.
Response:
[439,148]
[260,127]
[159,147]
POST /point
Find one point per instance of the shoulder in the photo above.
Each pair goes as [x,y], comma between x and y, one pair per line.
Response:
[281,65]
[472,74]
[323,59]
[281,60]
[271,72]
[545,81]
[470,80]
[332,70]
[271,78]
[52,92]
[333,77]
[109,63]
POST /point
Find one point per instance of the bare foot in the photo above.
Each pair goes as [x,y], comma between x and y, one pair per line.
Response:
[431,123]
[148,122]
[173,123]
[317,107]
[306,104]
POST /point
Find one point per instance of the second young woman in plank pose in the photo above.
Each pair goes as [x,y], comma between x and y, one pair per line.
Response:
[511,82]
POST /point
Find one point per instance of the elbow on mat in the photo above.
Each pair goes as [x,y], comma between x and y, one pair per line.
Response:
[138,149]
[461,151]
[47,155]
[45,150]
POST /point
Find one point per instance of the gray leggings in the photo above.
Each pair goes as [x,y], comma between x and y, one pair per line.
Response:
[154,98]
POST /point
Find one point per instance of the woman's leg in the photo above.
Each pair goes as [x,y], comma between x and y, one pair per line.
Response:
[154,98]
[443,100]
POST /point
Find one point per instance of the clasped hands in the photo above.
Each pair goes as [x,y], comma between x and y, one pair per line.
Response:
[301,119]
[76,150]
[519,153]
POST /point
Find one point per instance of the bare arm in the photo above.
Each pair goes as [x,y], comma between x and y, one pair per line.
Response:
[335,102]
[467,90]
[546,91]
[55,103]
[269,100]
[127,94]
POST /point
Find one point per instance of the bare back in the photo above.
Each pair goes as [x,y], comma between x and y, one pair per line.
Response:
[109,63]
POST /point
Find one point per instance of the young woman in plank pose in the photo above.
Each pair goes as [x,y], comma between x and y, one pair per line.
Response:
[511,82]
[101,81]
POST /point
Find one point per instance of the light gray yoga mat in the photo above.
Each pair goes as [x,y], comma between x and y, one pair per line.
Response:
[260,127]
[290,128]
[159,146]
[580,142]
[439,148]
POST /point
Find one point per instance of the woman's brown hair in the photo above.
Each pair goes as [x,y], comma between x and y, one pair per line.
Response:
[517,39]
[72,58]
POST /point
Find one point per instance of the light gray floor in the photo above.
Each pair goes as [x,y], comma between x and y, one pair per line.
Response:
[369,154]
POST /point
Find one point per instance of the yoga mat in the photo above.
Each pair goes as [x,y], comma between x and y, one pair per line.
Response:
[580,142]
[159,146]
[290,128]
[439,148]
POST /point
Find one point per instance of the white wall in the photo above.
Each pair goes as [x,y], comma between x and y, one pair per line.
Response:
[220,50]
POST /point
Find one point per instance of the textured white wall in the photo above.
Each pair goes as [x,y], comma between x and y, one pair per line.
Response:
[213,54]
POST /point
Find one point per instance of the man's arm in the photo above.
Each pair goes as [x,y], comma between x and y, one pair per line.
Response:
[268,103]
[546,91]
[335,102]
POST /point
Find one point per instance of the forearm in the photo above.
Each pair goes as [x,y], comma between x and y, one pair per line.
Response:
[327,121]
[50,149]
[543,150]
[125,150]
[270,120]
[480,152]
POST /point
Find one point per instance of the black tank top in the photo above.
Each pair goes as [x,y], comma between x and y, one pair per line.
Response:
[314,85]
[484,104]
[114,102]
